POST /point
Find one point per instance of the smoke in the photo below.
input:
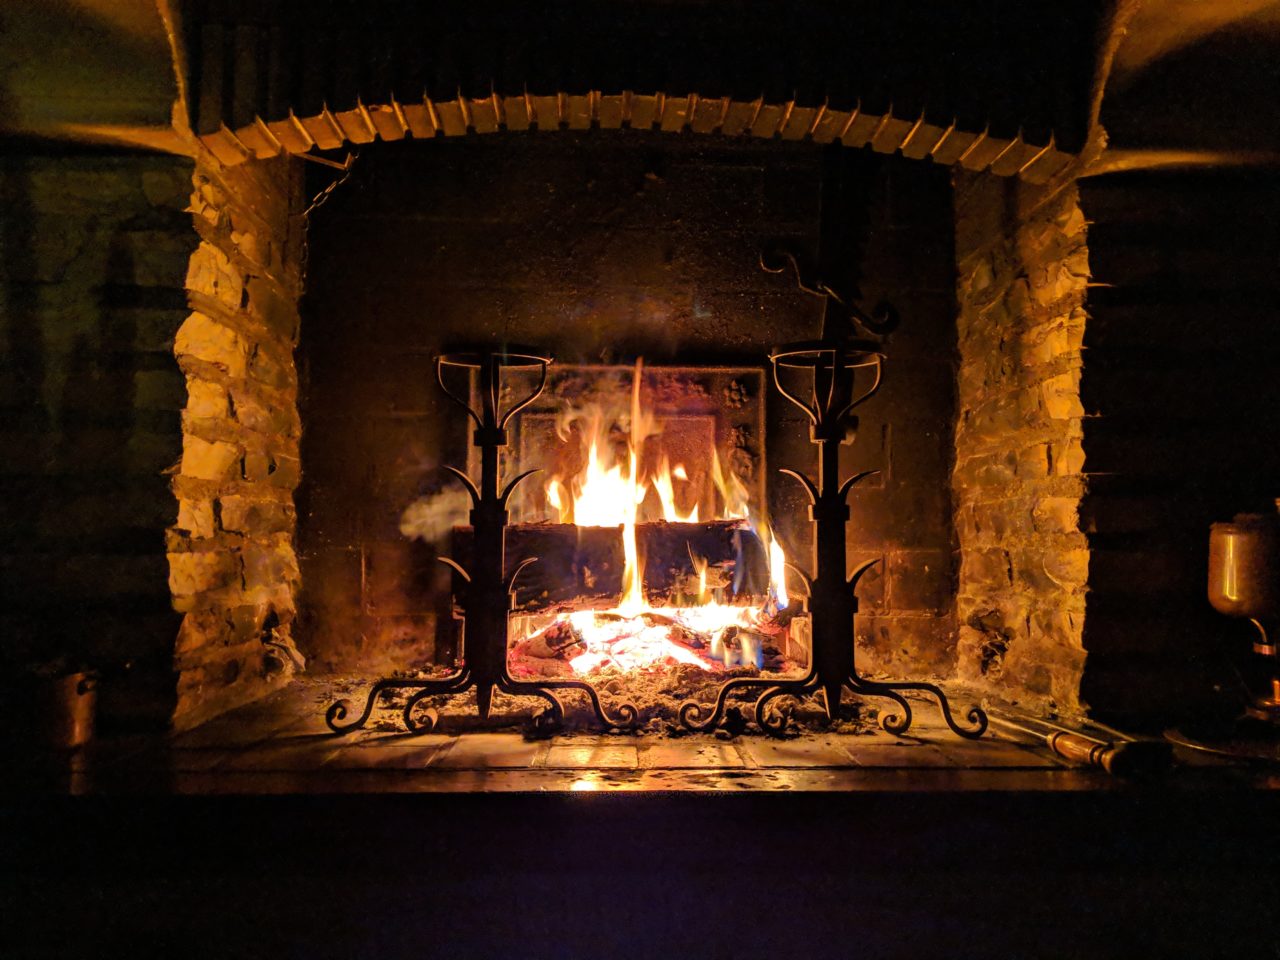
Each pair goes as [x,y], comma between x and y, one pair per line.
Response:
[431,518]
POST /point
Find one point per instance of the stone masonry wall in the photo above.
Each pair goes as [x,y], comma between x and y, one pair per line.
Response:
[1018,480]
[93,249]
[232,568]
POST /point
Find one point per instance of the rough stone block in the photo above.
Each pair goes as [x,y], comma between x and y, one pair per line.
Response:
[273,419]
[1068,457]
[206,400]
[1033,462]
[200,628]
[1067,566]
[268,565]
[194,573]
[991,568]
[274,311]
[211,272]
[1057,514]
[1060,396]
[206,460]
[256,517]
[206,339]
[265,367]
[196,518]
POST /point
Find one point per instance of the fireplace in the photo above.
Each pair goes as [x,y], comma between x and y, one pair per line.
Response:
[361,209]
[634,259]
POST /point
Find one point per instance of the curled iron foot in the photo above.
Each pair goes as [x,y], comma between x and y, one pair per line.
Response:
[695,717]
[895,724]
[430,716]
[774,722]
[554,711]
[340,710]
[627,717]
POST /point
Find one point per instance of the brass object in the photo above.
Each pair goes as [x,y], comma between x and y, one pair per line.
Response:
[1117,753]
[1244,581]
[1244,566]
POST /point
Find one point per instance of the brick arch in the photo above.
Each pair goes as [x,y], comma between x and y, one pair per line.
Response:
[884,132]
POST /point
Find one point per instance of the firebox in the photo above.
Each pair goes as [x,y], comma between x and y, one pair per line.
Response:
[658,530]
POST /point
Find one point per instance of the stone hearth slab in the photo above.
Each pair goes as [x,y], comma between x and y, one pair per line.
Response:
[484,751]
[690,755]
[592,756]
[805,752]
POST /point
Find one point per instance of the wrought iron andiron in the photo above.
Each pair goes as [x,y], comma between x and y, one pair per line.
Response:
[835,362]
[487,593]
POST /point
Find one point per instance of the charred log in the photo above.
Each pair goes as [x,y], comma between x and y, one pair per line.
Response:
[581,568]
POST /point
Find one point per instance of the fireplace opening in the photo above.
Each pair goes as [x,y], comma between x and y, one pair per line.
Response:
[660,521]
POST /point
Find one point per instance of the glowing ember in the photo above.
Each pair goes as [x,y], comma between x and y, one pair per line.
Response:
[608,492]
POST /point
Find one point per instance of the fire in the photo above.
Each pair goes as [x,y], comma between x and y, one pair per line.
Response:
[609,491]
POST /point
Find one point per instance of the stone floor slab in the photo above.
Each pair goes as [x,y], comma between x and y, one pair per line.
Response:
[822,751]
[689,754]
[300,754]
[584,756]
[895,753]
[486,751]
[991,752]
[394,756]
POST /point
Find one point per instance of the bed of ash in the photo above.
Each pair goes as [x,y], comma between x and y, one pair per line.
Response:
[693,666]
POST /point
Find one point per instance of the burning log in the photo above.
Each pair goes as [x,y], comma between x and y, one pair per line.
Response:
[580,568]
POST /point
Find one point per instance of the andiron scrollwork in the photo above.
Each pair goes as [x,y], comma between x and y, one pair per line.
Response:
[486,583]
[844,373]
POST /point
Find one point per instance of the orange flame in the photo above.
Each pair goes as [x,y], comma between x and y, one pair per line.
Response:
[607,492]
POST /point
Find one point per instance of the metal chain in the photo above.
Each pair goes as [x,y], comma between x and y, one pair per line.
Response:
[321,198]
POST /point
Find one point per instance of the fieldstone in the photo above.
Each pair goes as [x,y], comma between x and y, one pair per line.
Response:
[266,368]
[200,628]
[206,460]
[1061,396]
[206,399]
[1018,437]
[255,517]
[1068,459]
[277,314]
[1067,567]
[193,573]
[1033,462]
[211,272]
[287,472]
[1057,514]
[268,418]
[196,518]
[206,339]
[268,565]
[989,567]
[1049,344]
